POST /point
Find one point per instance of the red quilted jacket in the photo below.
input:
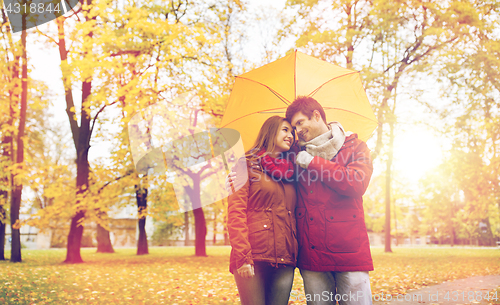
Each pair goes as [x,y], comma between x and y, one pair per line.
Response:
[331,229]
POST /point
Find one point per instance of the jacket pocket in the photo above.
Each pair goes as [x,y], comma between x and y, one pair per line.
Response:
[258,235]
[343,230]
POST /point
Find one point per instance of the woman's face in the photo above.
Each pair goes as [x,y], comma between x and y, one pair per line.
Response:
[284,138]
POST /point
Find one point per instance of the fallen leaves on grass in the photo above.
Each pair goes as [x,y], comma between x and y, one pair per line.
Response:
[124,279]
[174,276]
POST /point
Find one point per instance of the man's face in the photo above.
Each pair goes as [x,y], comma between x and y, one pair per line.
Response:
[307,129]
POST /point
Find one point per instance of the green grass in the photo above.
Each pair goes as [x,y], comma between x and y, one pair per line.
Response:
[172,275]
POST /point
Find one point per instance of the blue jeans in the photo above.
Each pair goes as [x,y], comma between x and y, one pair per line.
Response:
[269,285]
[348,288]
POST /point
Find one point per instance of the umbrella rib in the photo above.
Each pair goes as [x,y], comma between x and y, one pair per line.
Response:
[316,90]
[333,108]
[283,99]
[295,75]
[249,115]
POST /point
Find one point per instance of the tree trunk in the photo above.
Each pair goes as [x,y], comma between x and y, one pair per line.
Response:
[452,236]
[82,179]
[491,237]
[142,243]
[81,139]
[2,234]
[4,195]
[141,193]
[395,224]
[76,230]
[452,230]
[103,237]
[388,190]
[103,240]
[17,192]
[200,225]
[186,228]
[200,232]
[75,239]
[7,149]
[215,227]
[15,250]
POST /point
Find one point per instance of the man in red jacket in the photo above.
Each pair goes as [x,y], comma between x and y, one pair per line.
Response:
[335,169]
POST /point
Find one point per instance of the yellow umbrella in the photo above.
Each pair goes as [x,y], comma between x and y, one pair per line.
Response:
[268,90]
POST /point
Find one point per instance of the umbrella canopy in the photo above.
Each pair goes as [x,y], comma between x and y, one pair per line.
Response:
[268,90]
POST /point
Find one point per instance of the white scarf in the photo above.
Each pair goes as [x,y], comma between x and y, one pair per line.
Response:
[328,144]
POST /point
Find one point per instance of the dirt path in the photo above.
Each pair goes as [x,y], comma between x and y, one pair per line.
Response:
[465,291]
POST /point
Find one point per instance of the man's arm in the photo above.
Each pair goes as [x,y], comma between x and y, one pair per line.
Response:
[237,220]
[350,180]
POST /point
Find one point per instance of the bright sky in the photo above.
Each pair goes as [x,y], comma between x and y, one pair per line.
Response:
[417,147]
[416,151]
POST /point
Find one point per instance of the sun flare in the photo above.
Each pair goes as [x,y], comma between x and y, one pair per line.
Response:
[416,151]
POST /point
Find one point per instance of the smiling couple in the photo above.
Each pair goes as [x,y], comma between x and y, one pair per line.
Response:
[301,206]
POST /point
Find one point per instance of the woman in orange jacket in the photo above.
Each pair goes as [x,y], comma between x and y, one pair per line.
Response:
[261,219]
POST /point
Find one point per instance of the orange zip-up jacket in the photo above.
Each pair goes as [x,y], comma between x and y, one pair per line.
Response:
[261,220]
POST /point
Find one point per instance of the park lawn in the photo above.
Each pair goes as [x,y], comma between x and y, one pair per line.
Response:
[172,275]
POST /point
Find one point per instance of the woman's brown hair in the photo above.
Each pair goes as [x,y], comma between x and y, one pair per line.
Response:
[266,139]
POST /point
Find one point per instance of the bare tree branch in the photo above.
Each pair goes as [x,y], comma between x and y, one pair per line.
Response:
[97,114]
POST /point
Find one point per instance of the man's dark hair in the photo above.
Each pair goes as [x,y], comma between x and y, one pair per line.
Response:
[306,105]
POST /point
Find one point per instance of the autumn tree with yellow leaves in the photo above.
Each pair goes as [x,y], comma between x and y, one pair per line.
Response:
[13,130]
[127,57]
